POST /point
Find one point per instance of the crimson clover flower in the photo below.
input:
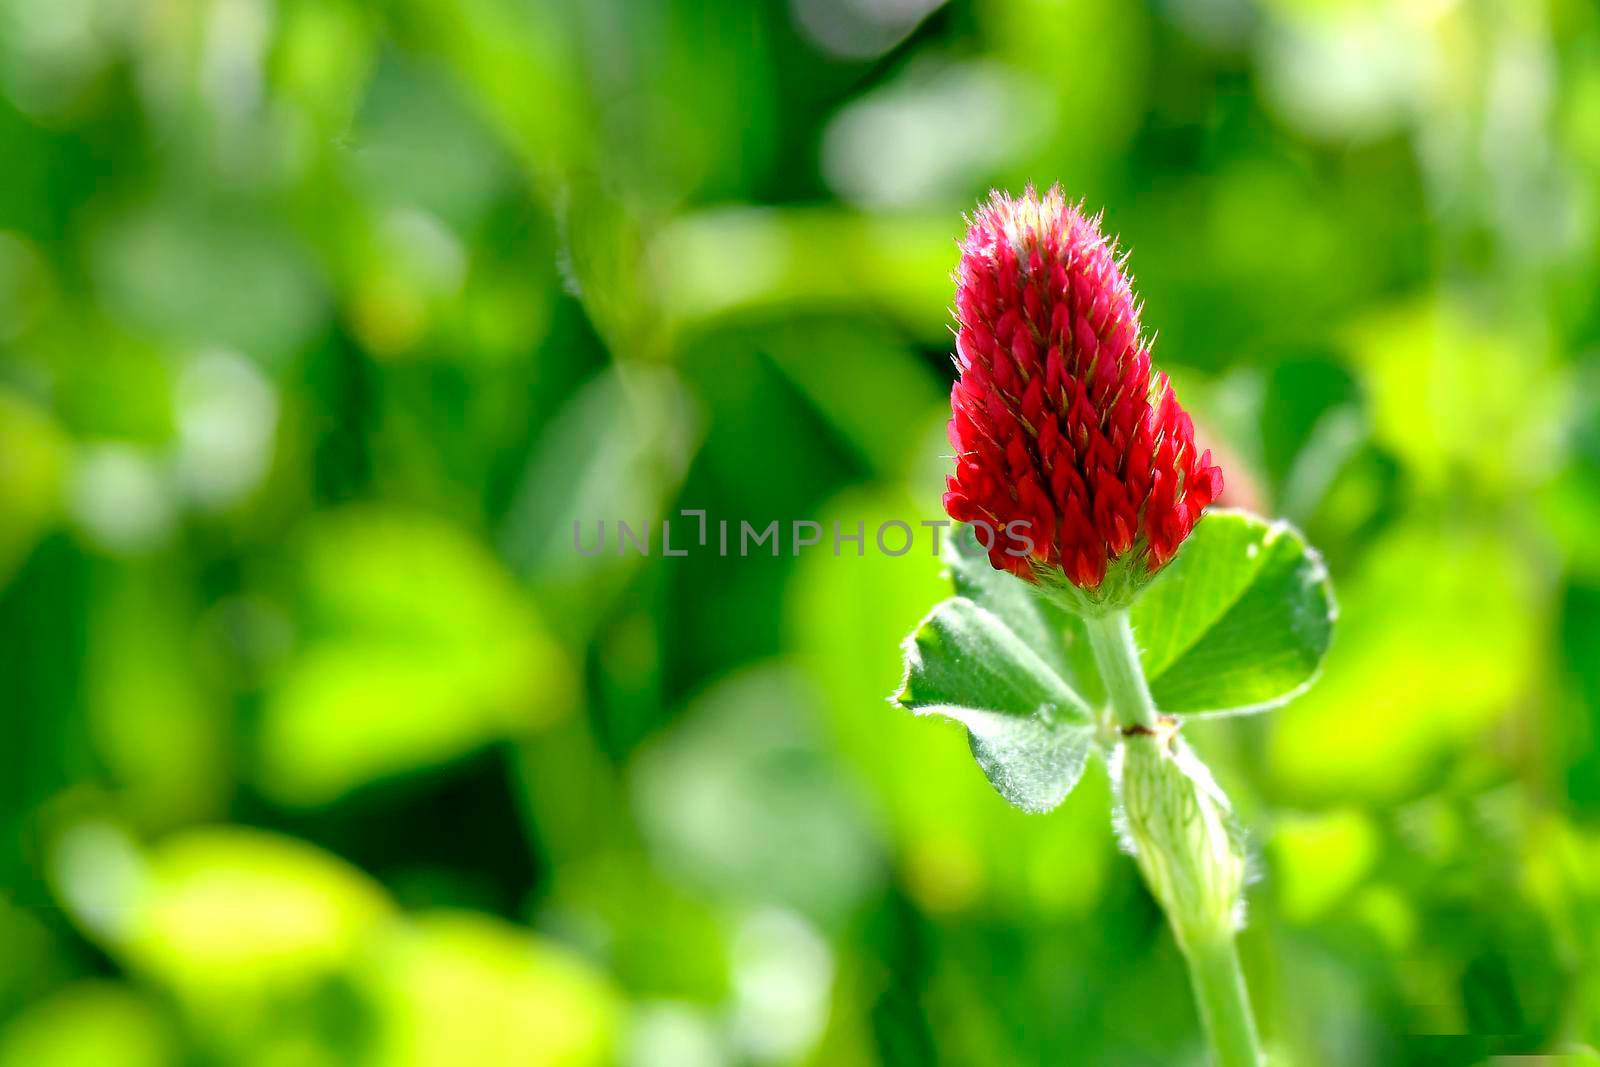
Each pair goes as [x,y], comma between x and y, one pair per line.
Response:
[1056,417]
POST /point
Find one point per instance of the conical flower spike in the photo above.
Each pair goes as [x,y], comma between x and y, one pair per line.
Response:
[1057,419]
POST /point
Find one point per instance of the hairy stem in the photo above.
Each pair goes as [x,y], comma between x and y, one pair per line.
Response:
[1111,638]
[1201,919]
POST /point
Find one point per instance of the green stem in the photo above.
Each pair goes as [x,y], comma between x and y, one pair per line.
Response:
[1224,1003]
[1213,960]
[1111,638]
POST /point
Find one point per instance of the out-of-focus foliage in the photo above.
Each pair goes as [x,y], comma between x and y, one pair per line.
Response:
[322,321]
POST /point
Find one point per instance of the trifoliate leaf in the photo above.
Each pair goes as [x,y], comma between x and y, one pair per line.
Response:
[1238,622]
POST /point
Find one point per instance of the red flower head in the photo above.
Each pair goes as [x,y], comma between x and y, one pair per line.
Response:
[1055,417]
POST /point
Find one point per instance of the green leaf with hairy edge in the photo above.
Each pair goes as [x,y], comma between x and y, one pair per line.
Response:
[1029,730]
[1239,621]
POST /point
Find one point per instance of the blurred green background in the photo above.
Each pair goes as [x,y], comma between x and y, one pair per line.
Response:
[321,322]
